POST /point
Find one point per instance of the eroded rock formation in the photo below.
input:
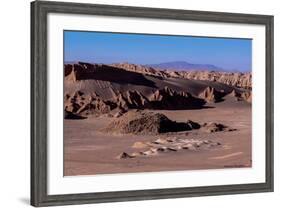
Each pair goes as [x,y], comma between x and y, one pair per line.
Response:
[211,95]
[170,99]
[83,79]
[237,79]
[139,122]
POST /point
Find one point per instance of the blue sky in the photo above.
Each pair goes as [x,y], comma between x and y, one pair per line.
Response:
[99,47]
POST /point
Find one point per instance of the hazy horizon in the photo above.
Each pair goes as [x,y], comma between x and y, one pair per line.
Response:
[228,54]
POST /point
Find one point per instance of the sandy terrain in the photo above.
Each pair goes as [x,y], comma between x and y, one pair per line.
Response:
[88,151]
[130,118]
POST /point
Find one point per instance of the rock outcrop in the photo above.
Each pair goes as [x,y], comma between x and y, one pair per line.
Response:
[131,99]
[150,89]
[85,105]
[141,69]
[82,70]
[237,79]
[215,127]
[168,146]
[211,95]
[246,96]
[124,155]
[170,99]
[80,103]
[69,115]
[147,123]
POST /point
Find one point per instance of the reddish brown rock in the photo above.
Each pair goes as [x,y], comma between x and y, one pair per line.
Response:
[247,96]
[147,123]
[211,95]
[124,155]
[170,99]
[82,70]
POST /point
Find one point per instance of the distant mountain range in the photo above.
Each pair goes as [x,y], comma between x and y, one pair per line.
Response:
[176,65]
[182,65]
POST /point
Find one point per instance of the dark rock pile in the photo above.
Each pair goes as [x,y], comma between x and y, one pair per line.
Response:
[147,123]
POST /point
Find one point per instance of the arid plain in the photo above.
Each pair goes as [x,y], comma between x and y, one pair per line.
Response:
[125,118]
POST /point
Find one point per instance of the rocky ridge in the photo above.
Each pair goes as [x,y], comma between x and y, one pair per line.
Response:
[237,79]
[82,103]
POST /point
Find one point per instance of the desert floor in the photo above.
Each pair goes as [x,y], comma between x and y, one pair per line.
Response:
[87,151]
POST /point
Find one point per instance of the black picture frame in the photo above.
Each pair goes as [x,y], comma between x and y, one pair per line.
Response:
[39,12]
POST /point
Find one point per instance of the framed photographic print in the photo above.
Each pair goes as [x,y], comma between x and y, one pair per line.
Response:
[131,103]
